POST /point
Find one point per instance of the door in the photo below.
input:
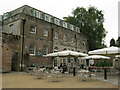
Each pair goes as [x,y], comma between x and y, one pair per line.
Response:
[14,66]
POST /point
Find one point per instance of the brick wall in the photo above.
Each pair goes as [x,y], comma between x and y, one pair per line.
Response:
[38,40]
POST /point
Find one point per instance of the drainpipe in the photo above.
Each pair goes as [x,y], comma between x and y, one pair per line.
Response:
[22,51]
[52,37]
[76,63]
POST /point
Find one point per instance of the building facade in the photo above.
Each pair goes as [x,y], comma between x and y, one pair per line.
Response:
[28,34]
[0,43]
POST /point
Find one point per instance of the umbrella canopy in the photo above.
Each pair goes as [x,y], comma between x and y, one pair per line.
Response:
[117,56]
[109,50]
[51,55]
[95,57]
[66,53]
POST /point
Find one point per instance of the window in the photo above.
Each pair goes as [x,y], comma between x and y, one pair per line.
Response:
[55,62]
[33,12]
[64,49]
[33,29]
[56,35]
[83,43]
[32,49]
[71,27]
[65,38]
[42,16]
[56,49]
[68,25]
[64,24]
[47,18]
[10,25]
[61,23]
[45,33]
[45,50]
[52,19]
[72,40]
[56,21]
[77,30]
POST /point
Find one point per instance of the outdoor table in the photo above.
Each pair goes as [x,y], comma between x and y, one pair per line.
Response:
[105,70]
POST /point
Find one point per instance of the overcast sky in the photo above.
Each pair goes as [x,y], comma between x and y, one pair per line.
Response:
[63,8]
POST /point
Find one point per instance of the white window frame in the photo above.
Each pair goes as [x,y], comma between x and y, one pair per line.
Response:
[47,18]
[45,49]
[45,32]
[65,37]
[64,24]
[56,35]
[34,31]
[33,51]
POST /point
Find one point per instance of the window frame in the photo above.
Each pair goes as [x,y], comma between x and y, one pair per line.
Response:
[65,37]
[34,50]
[56,35]
[45,34]
[45,49]
[35,29]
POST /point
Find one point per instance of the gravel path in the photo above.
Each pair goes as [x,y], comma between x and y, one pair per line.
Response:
[25,80]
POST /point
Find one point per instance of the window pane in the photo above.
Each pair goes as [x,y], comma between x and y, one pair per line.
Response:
[33,29]
[32,50]
[56,35]
[45,50]
[65,37]
[45,33]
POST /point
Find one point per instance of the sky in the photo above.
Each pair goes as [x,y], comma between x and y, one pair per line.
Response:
[63,8]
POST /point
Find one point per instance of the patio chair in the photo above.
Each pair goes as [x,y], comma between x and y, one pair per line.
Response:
[93,76]
[85,77]
[39,74]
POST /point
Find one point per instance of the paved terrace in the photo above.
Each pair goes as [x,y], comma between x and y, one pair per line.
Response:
[25,80]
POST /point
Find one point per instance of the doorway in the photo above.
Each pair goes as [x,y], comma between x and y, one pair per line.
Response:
[14,64]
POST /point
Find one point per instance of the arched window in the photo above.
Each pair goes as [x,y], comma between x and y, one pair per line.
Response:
[64,49]
[56,49]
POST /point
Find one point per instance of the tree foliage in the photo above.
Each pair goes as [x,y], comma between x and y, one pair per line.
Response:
[90,21]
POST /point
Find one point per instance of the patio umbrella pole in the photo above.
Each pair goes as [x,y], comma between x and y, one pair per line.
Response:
[73,71]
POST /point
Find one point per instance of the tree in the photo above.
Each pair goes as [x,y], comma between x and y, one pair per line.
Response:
[90,23]
[112,42]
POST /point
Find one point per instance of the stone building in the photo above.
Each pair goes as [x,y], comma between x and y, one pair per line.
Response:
[28,34]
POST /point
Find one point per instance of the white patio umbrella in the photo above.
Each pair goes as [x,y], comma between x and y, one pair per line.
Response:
[109,50]
[66,53]
[95,57]
[51,55]
[117,56]
[71,53]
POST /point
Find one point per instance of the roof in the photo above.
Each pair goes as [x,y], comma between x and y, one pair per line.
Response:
[41,15]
